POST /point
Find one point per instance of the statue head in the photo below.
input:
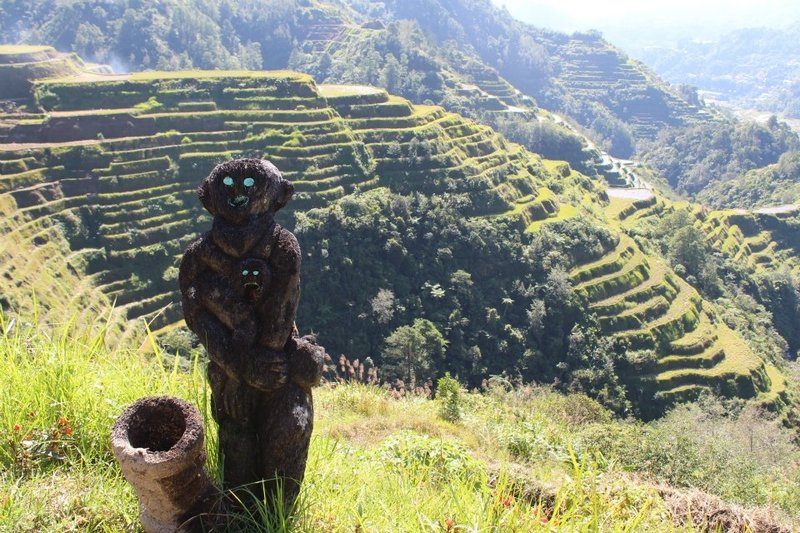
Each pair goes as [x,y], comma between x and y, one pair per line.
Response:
[240,188]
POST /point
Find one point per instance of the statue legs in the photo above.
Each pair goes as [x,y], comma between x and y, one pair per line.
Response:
[263,437]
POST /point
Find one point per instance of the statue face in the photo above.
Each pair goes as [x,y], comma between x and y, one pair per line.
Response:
[238,189]
[254,276]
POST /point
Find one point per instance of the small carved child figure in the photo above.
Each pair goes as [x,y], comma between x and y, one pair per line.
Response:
[238,309]
[254,281]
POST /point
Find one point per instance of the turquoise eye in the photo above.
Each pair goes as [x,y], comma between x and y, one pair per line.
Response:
[228,181]
[249,182]
[255,272]
[245,272]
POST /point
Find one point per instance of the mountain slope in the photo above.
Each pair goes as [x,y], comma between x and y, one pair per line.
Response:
[462,227]
[465,55]
[750,68]
[581,75]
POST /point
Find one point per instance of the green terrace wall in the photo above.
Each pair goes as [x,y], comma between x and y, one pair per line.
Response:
[98,197]
[105,173]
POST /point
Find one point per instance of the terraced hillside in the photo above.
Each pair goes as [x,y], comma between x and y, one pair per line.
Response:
[639,299]
[113,186]
[766,238]
[97,192]
[333,36]
[469,57]
[763,239]
[581,74]
[583,68]
[592,69]
[20,64]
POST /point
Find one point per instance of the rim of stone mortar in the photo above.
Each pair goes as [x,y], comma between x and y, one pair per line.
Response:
[164,462]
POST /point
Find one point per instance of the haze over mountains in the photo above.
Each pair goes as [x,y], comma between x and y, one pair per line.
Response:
[635,26]
[755,68]
[739,53]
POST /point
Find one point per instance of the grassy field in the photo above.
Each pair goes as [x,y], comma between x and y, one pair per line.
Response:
[524,459]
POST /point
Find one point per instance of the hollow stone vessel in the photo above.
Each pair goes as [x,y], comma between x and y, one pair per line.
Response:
[159,444]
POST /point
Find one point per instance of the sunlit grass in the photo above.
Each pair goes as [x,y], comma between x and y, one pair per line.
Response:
[517,460]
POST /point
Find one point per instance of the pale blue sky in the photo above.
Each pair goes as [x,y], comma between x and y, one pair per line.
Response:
[637,21]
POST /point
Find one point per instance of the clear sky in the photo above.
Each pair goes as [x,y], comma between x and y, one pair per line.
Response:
[628,22]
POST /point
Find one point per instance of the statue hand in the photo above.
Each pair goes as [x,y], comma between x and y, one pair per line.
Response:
[305,361]
[266,370]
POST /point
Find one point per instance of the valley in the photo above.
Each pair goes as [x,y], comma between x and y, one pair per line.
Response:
[108,204]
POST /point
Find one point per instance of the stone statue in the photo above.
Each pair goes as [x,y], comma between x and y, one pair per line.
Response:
[240,286]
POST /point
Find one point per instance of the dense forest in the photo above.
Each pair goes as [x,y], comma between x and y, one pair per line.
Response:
[456,274]
[501,306]
[773,185]
[693,158]
[143,34]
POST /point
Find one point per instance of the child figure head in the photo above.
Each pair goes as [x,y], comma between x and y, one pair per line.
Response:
[253,278]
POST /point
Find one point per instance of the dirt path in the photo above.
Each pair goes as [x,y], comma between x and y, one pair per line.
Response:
[778,209]
[630,194]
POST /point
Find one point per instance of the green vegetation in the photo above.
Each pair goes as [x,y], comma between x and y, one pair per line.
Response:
[21,64]
[773,185]
[139,35]
[467,56]
[446,200]
[432,247]
[692,158]
[414,49]
[523,458]
[650,314]
[747,261]
[411,349]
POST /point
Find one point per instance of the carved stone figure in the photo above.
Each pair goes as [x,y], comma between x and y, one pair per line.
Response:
[240,286]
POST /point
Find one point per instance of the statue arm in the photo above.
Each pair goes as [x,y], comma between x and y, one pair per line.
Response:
[305,357]
[280,303]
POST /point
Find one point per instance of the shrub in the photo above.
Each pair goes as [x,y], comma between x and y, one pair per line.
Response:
[179,341]
[745,457]
[523,441]
[448,391]
[362,399]
[429,458]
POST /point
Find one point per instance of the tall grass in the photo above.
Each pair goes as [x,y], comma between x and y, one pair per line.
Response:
[60,393]
[515,461]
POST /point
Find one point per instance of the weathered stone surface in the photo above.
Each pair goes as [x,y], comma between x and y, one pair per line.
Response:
[159,443]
